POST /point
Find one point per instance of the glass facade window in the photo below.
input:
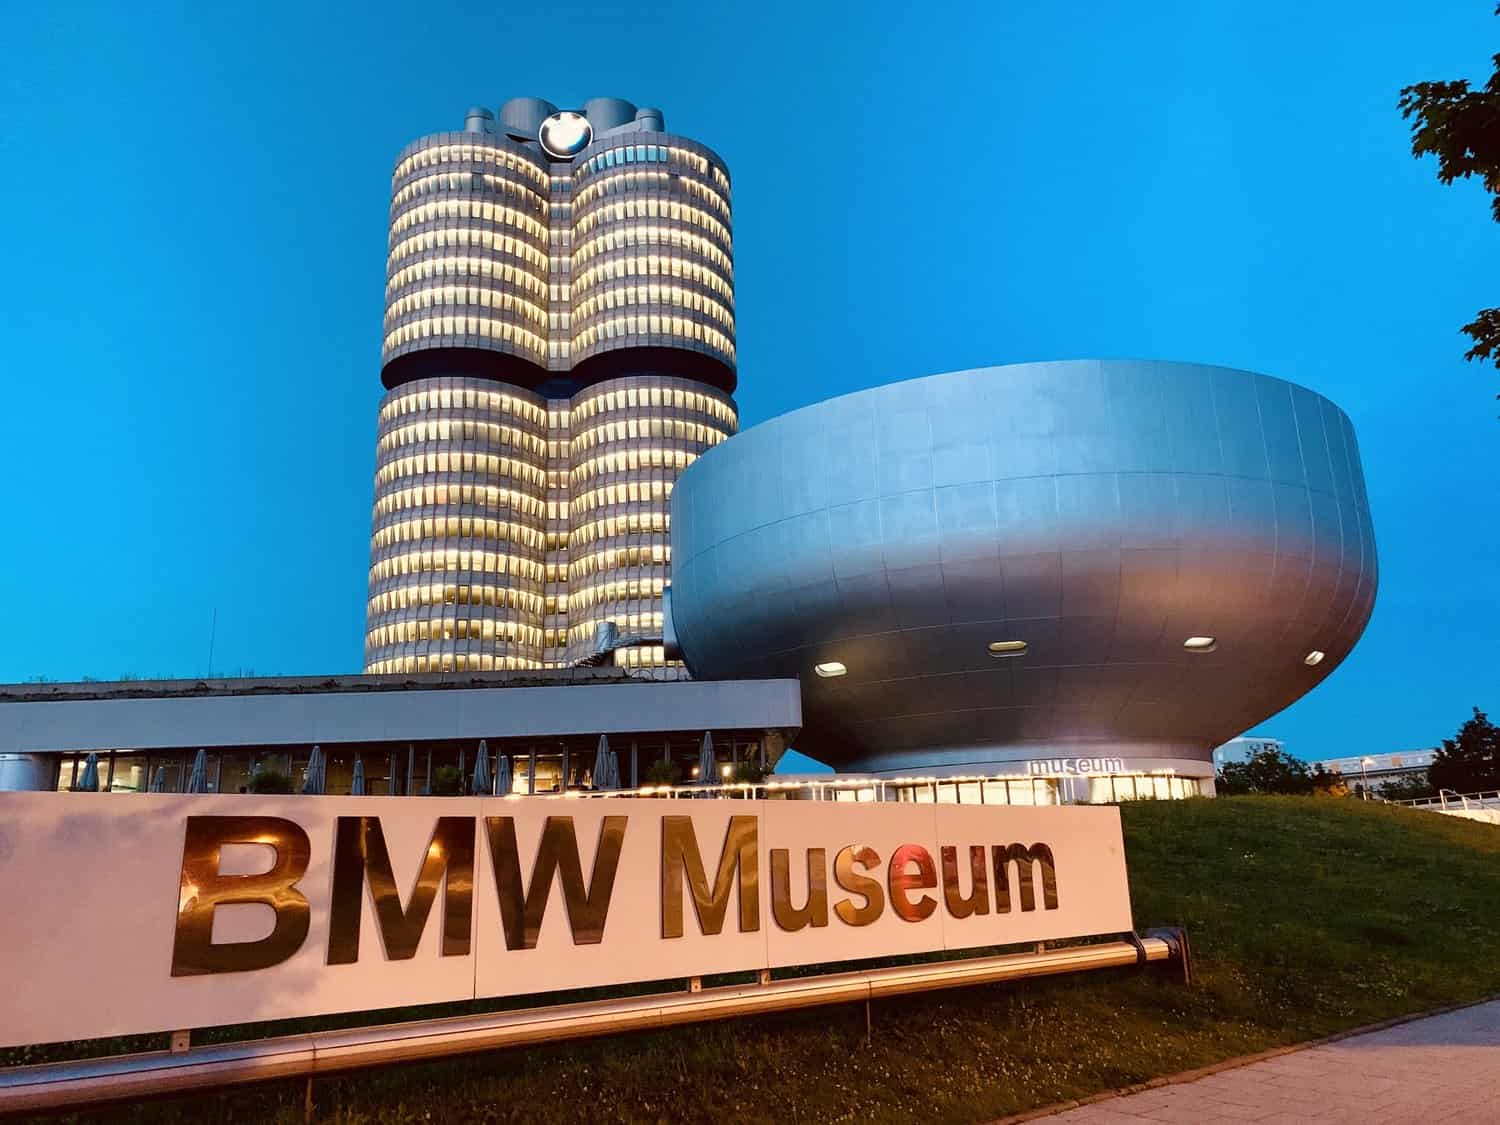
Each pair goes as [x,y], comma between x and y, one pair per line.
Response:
[1033,791]
[479,559]
[509,524]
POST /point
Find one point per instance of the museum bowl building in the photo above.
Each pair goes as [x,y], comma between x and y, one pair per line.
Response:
[1090,567]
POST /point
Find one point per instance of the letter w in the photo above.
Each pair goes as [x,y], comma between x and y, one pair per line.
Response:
[557,853]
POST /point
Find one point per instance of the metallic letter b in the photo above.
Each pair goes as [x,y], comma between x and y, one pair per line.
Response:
[203,888]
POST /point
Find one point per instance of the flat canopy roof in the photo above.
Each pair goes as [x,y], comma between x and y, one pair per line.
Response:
[187,714]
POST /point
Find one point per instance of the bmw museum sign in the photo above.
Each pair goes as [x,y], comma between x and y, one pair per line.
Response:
[227,909]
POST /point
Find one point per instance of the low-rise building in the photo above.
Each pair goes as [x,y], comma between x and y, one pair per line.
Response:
[1376,770]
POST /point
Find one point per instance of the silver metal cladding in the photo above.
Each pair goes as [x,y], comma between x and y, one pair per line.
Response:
[1090,516]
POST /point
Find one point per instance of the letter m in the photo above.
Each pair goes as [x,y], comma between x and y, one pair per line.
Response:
[1024,858]
[360,854]
[738,867]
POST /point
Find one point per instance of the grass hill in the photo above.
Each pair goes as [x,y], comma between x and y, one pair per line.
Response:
[1307,916]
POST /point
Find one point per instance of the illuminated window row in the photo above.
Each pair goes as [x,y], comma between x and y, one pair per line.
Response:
[627,237]
[467,238]
[632,398]
[446,326]
[583,597]
[631,210]
[454,629]
[644,656]
[418,595]
[557,448]
[625,327]
[439,209]
[652,265]
[613,558]
[462,429]
[476,562]
[625,430]
[633,523]
[643,179]
[631,492]
[490,269]
[456,297]
[460,398]
[458,461]
[632,622]
[451,527]
[631,460]
[450,184]
[439,199]
[435,155]
[449,662]
[624,297]
[455,495]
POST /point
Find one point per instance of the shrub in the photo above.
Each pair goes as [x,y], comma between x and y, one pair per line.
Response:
[270,781]
[1274,771]
[750,773]
[663,773]
[447,782]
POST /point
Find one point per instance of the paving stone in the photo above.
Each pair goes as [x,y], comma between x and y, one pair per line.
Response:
[1441,1069]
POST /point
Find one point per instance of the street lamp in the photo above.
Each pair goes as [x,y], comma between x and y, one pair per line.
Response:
[1364,780]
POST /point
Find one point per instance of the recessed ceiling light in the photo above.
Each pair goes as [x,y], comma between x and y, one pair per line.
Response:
[1314,657]
[1007,648]
[1201,644]
[830,669]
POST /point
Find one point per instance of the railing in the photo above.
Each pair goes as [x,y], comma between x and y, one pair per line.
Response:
[74,1085]
[844,788]
[1444,796]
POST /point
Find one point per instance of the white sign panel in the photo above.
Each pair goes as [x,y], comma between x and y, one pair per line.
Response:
[155,912]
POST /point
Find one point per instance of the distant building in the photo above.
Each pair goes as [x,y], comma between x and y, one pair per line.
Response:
[1376,770]
[1244,748]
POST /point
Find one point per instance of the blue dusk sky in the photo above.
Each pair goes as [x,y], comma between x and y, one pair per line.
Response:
[196,200]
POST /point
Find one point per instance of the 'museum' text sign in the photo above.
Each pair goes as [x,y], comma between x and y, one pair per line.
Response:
[156,912]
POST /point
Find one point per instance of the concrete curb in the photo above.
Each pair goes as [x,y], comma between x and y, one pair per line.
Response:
[1233,1064]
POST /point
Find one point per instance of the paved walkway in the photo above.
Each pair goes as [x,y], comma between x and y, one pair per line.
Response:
[1443,1068]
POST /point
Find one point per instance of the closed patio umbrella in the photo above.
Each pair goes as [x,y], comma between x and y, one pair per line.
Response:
[159,780]
[198,778]
[357,786]
[316,779]
[612,771]
[481,781]
[601,764]
[502,774]
[707,767]
[88,781]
